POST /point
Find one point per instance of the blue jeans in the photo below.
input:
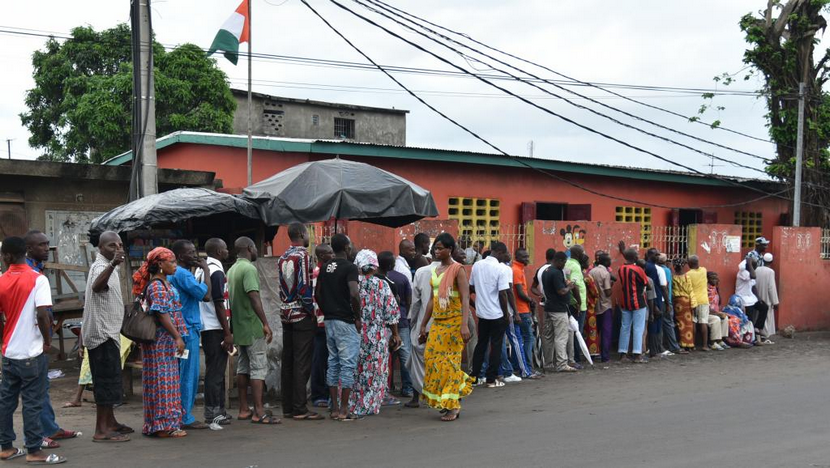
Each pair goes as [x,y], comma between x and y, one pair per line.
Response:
[403,356]
[48,424]
[344,347]
[528,340]
[24,379]
[505,368]
[517,357]
[669,336]
[189,376]
[632,321]
[580,319]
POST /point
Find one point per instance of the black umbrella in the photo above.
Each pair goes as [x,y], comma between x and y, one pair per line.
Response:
[171,207]
[336,188]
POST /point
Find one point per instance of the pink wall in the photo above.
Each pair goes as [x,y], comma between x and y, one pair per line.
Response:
[709,242]
[802,277]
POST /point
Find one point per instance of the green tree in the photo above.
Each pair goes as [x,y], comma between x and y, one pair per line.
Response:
[782,50]
[81,106]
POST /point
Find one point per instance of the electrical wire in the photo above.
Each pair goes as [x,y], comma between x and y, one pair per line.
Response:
[504,153]
[561,117]
[580,106]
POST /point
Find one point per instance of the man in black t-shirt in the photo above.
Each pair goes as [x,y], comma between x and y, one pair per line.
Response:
[557,333]
[338,298]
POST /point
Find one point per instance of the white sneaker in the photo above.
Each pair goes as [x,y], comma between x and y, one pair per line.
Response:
[512,378]
[666,353]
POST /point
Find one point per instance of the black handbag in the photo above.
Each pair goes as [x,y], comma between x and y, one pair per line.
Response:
[139,325]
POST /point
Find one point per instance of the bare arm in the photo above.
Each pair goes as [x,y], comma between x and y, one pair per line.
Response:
[534,288]
[100,283]
[354,296]
[503,302]
[44,324]
[520,291]
[256,303]
[427,316]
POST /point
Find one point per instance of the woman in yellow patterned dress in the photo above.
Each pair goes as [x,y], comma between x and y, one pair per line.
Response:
[445,384]
[684,303]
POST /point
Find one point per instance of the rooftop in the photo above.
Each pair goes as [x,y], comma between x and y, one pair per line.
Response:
[338,147]
[241,92]
[75,171]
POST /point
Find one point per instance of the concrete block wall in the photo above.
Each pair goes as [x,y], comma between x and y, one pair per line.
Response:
[802,277]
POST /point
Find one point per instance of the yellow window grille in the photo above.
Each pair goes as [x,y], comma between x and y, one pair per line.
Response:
[637,214]
[478,218]
[751,224]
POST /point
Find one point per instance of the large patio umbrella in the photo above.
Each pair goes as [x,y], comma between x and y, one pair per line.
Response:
[172,207]
[336,188]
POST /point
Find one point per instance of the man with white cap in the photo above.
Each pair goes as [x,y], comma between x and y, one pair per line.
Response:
[761,244]
[767,293]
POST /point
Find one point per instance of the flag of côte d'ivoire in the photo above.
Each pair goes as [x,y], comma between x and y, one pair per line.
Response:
[234,32]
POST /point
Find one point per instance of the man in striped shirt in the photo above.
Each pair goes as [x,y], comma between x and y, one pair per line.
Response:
[633,306]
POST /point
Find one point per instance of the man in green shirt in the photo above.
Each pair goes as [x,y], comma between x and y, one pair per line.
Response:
[251,331]
[573,269]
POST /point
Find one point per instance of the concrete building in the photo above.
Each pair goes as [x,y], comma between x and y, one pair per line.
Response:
[302,118]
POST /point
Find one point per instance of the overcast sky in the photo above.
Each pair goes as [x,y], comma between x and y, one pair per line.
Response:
[641,42]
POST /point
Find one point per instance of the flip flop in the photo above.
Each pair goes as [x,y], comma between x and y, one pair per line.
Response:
[124,429]
[118,438]
[267,420]
[177,434]
[71,404]
[50,460]
[49,444]
[308,417]
[64,434]
[20,453]
[350,417]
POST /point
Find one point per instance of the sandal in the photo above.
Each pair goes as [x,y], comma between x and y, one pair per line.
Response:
[451,416]
[113,439]
[64,434]
[350,417]
[496,384]
[71,404]
[50,460]
[49,444]
[308,417]
[19,453]
[267,420]
[177,434]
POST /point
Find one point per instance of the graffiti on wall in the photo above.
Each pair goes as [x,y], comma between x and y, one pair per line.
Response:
[572,235]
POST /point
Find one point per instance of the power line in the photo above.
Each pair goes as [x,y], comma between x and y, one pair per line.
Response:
[548,111]
[580,106]
[499,150]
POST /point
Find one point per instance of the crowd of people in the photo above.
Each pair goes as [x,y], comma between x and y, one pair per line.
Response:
[347,317]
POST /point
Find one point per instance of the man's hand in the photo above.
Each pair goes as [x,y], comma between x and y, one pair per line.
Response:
[202,263]
[358,325]
[268,334]
[621,245]
[394,342]
[80,353]
[422,334]
[47,345]
[118,259]
[227,343]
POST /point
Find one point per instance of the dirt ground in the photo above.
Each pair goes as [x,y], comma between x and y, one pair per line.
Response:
[766,406]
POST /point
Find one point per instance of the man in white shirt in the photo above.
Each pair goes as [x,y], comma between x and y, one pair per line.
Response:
[216,333]
[745,287]
[406,252]
[767,293]
[491,282]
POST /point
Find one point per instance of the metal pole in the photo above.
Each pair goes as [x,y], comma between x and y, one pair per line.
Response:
[9,144]
[799,156]
[250,104]
[147,99]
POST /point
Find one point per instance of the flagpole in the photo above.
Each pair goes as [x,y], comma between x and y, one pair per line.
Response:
[250,99]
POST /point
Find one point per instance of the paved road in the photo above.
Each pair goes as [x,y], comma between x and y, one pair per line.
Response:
[739,408]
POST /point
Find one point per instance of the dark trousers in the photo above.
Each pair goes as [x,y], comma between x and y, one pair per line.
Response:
[105,368]
[490,332]
[23,379]
[297,350]
[216,364]
[319,389]
[605,324]
[579,315]
[758,314]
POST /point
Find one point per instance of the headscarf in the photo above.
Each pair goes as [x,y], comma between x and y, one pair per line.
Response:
[445,286]
[142,277]
[366,260]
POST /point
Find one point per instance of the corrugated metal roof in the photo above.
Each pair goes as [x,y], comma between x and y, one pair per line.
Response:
[341,147]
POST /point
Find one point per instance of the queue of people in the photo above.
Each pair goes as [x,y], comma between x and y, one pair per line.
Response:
[346,316]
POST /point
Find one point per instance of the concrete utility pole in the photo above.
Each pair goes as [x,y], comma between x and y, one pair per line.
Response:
[799,156]
[147,100]
[9,145]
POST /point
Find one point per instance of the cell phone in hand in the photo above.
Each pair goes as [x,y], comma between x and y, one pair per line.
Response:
[185,354]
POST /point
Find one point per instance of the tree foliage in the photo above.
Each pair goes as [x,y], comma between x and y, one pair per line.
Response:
[81,106]
[782,49]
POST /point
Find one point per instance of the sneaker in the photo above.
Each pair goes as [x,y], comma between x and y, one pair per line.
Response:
[716,347]
[724,345]
[666,353]
[512,378]
[480,382]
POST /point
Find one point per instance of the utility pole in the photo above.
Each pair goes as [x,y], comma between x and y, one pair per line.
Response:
[147,100]
[250,100]
[799,156]
[530,148]
[9,145]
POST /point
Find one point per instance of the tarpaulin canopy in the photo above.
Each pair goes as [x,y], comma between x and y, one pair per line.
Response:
[172,207]
[339,189]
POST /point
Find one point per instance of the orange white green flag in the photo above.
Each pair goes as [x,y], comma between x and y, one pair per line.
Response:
[235,31]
